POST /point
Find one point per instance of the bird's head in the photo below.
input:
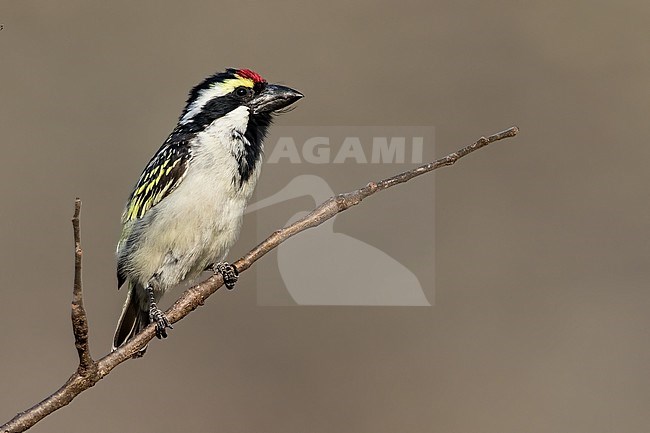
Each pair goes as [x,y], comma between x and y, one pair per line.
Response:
[227,91]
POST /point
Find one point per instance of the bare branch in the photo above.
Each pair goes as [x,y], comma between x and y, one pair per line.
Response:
[90,372]
[342,202]
[79,319]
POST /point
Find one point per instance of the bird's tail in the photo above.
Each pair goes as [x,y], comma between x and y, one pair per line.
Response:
[133,319]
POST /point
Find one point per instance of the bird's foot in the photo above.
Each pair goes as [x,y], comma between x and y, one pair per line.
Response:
[228,272]
[155,315]
[158,317]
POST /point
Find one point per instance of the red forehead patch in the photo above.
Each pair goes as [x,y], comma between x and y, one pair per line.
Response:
[247,73]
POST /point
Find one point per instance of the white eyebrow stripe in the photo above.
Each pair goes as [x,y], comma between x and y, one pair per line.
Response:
[206,96]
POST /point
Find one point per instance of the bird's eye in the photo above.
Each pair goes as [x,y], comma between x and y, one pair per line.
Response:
[242,91]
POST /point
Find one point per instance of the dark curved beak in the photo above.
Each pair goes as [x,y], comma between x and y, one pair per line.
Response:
[274,97]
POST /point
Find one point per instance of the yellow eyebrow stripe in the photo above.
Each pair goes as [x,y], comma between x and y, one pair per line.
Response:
[231,84]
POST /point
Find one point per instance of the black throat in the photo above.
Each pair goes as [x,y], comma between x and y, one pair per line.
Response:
[258,125]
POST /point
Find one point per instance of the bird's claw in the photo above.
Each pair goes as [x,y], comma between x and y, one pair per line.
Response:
[158,317]
[228,272]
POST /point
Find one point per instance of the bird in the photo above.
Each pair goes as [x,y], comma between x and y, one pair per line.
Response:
[186,209]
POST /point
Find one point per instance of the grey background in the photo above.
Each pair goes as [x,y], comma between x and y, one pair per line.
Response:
[541,319]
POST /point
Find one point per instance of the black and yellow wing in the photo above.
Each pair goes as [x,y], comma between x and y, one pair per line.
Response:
[162,175]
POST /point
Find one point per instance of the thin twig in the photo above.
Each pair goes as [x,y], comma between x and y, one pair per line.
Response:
[193,297]
[79,319]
